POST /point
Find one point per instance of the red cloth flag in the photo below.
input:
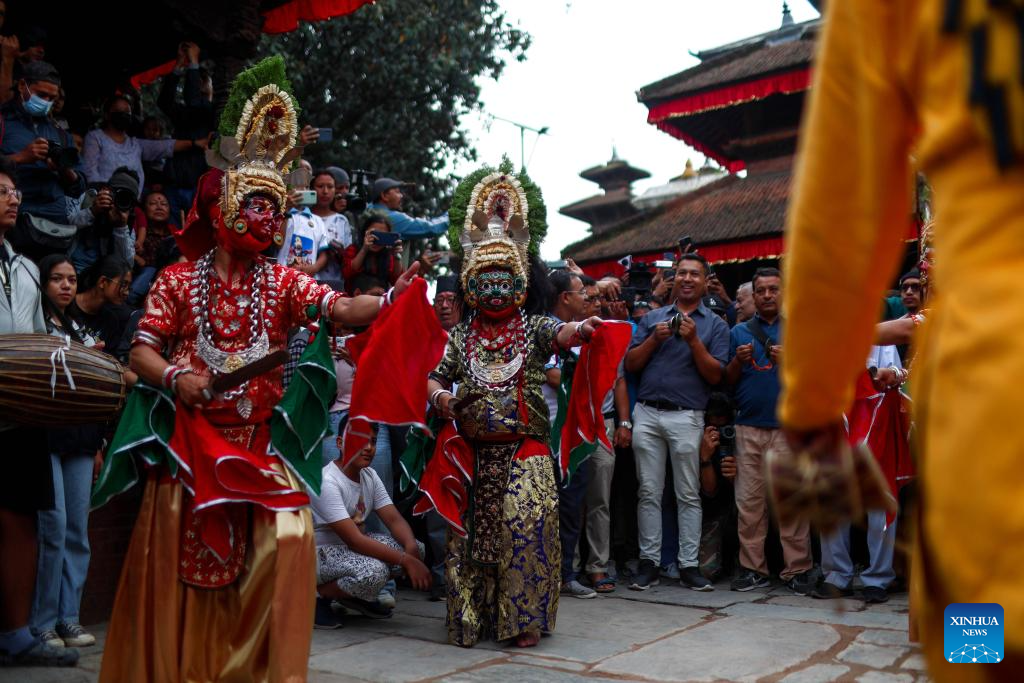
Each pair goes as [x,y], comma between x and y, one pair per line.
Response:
[446,479]
[392,359]
[594,377]
[881,419]
[216,472]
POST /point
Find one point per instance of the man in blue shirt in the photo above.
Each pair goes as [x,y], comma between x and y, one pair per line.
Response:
[681,351]
[387,196]
[755,351]
[50,185]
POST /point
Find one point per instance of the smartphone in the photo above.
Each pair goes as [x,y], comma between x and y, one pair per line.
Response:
[663,264]
[446,257]
[386,239]
[308,198]
[556,265]
[685,244]
[326,135]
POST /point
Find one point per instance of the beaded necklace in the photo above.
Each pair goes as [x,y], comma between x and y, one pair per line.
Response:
[510,338]
[219,361]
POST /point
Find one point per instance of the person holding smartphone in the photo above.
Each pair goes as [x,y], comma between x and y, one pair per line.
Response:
[376,251]
[307,242]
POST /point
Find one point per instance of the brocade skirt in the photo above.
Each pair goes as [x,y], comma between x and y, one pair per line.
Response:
[505,578]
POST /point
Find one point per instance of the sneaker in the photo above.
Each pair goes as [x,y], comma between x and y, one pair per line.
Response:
[374,609]
[690,577]
[51,638]
[438,593]
[645,577]
[829,591]
[41,654]
[578,590]
[671,572]
[801,584]
[874,594]
[74,635]
[324,617]
[386,598]
[749,580]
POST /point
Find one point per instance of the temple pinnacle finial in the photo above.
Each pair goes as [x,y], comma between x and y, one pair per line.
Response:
[787,17]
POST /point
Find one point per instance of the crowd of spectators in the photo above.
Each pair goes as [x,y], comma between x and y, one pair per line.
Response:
[695,429]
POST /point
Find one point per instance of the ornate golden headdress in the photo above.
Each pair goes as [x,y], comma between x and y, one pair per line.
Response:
[497,218]
[258,129]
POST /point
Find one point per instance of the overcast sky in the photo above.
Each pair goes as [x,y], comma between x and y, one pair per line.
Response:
[587,60]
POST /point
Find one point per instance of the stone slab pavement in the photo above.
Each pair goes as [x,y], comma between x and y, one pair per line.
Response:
[667,633]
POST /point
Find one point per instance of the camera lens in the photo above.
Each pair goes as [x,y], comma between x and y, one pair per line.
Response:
[124,199]
[728,432]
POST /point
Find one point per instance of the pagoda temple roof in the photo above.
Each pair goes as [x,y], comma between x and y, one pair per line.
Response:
[731,208]
[615,171]
[736,65]
[742,103]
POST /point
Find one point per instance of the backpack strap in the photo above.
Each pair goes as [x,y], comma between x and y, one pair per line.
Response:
[754,326]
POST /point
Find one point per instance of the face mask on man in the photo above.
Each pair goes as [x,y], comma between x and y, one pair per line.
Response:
[37,106]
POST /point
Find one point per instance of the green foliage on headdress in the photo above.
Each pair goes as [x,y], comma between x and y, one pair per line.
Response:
[537,218]
[245,85]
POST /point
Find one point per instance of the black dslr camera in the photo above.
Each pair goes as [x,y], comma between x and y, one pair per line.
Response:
[61,156]
[726,442]
[124,199]
[359,190]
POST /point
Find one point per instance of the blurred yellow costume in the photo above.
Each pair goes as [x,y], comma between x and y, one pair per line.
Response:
[939,80]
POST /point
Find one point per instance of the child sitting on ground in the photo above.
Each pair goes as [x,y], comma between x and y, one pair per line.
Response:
[352,566]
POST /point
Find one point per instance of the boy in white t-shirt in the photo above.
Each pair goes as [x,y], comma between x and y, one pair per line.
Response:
[306,242]
[352,565]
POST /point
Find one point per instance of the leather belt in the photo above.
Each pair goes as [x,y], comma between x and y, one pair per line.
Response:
[663,405]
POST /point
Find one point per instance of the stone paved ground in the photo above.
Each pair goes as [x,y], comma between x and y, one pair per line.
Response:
[665,634]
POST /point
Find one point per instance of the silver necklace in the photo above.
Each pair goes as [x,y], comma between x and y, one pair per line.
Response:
[222,362]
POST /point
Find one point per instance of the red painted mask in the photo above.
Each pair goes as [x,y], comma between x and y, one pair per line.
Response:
[258,225]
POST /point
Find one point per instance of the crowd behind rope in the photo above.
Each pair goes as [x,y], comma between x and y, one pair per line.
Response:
[87,217]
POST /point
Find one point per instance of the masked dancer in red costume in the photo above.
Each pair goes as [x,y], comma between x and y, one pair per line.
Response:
[217,583]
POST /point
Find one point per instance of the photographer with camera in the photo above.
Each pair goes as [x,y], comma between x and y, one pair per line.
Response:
[717,473]
[326,183]
[376,251]
[103,221]
[681,351]
[755,351]
[46,157]
[387,196]
[307,244]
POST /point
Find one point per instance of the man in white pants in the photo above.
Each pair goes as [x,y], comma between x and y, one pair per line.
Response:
[681,351]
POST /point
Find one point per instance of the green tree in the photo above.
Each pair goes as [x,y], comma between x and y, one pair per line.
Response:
[394,80]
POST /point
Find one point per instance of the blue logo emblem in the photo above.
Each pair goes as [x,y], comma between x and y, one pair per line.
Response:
[974,633]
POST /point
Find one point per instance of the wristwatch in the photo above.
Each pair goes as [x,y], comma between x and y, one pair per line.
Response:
[627,424]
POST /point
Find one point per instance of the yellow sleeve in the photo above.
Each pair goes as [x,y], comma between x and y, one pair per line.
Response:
[849,209]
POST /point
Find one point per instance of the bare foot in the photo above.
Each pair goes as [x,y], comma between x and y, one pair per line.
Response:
[527,639]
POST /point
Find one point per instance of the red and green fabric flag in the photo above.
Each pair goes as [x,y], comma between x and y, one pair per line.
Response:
[586,381]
